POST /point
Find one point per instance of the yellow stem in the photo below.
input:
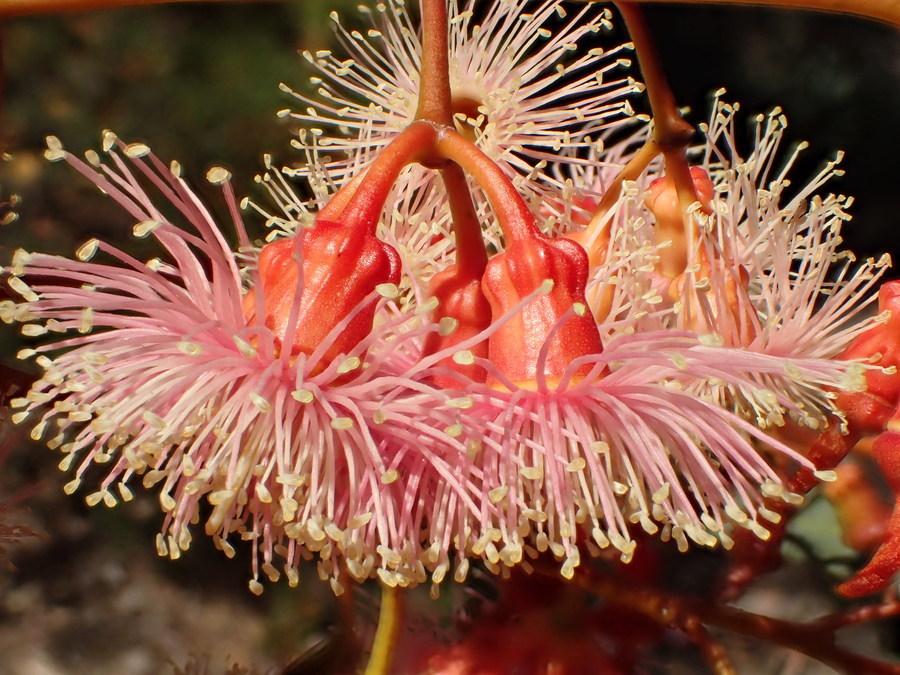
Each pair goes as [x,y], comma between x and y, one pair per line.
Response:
[590,237]
[390,618]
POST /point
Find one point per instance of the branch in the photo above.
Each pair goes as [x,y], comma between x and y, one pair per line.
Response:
[434,78]
[10,8]
[816,639]
[884,11]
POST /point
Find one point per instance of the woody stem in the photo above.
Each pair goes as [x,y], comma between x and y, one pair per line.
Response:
[887,11]
[671,132]
[815,639]
[434,78]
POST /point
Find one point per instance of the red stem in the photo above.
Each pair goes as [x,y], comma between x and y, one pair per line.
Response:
[367,201]
[671,132]
[471,258]
[513,214]
[338,202]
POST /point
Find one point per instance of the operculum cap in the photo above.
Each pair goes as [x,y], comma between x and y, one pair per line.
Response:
[341,266]
[548,319]
[461,299]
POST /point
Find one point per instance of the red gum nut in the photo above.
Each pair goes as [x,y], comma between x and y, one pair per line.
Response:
[877,574]
[862,513]
[460,299]
[341,266]
[510,277]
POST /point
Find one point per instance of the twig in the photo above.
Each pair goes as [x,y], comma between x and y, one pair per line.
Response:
[815,639]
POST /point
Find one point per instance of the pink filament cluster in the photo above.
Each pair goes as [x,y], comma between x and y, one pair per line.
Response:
[312,399]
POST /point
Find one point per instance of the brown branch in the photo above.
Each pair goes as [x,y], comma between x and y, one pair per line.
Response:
[885,11]
[434,79]
[10,8]
[816,639]
[671,133]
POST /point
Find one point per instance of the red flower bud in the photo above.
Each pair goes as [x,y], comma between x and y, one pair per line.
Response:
[874,410]
[516,347]
[341,266]
[861,511]
[462,300]
[662,197]
[885,563]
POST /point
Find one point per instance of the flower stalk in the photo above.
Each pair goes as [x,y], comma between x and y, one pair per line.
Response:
[435,103]
[512,213]
[671,133]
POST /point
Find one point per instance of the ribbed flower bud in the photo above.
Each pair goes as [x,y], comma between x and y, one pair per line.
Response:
[870,411]
[662,197]
[461,300]
[882,340]
[546,335]
[341,266]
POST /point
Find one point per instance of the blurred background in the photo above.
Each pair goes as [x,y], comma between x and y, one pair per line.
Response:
[199,83]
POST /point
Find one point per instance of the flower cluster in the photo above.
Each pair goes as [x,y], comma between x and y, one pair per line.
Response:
[485,341]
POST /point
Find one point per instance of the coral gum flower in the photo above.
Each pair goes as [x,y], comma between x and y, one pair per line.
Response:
[536,345]
[766,273]
[578,465]
[163,381]
[878,409]
[341,266]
